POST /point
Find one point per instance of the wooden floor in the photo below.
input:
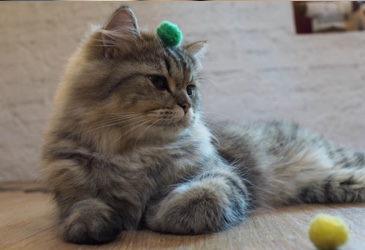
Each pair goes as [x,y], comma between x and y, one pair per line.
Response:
[27,221]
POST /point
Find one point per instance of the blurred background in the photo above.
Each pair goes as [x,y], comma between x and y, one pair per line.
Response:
[257,67]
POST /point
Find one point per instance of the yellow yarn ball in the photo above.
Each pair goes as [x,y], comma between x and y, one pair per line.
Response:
[327,232]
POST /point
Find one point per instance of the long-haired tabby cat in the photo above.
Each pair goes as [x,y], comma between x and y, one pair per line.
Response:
[126,146]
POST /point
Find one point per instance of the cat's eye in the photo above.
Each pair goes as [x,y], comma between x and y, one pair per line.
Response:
[190,89]
[160,82]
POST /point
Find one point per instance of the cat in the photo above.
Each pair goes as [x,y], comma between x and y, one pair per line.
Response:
[126,146]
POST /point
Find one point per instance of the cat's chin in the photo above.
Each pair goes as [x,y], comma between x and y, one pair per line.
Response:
[172,127]
[169,130]
[177,124]
[172,121]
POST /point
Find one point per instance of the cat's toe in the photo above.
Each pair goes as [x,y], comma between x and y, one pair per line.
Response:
[86,224]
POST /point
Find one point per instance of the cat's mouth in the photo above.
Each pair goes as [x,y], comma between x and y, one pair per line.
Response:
[170,117]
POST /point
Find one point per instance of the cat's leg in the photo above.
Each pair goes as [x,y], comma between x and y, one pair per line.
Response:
[341,186]
[95,202]
[90,221]
[313,176]
[344,182]
[212,201]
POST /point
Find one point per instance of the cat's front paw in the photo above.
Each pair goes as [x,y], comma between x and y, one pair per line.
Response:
[91,222]
[197,208]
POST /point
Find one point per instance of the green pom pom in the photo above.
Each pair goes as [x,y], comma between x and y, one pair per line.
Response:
[169,33]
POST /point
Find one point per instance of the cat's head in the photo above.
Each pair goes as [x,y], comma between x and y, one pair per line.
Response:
[127,79]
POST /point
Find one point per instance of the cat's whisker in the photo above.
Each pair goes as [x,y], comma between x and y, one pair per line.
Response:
[135,144]
[114,119]
[107,123]
[207,78]
[116,122]
[214,114]
[138,123]
[190,133]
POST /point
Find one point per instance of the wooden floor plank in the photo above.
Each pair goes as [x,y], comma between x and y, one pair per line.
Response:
[28,221]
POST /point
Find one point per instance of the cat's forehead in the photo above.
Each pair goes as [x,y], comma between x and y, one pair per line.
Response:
[177,62]
[151,45]
[172,60]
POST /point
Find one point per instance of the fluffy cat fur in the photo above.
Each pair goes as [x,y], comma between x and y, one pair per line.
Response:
[126,146]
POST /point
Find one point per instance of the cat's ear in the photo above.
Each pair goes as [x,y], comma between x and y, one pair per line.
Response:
[121,26]
[196,51]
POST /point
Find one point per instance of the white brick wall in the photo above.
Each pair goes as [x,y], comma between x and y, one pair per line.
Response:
[256,68]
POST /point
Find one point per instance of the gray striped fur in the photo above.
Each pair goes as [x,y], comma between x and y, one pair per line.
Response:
[120,154]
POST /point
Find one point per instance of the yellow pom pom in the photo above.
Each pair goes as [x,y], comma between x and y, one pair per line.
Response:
[327,232]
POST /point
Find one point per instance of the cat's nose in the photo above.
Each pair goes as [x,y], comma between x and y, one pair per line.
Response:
[185,106]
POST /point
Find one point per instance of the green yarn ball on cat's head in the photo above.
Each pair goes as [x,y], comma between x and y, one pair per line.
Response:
[169,34]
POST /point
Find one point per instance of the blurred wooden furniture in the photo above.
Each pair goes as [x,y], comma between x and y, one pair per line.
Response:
[27,221]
